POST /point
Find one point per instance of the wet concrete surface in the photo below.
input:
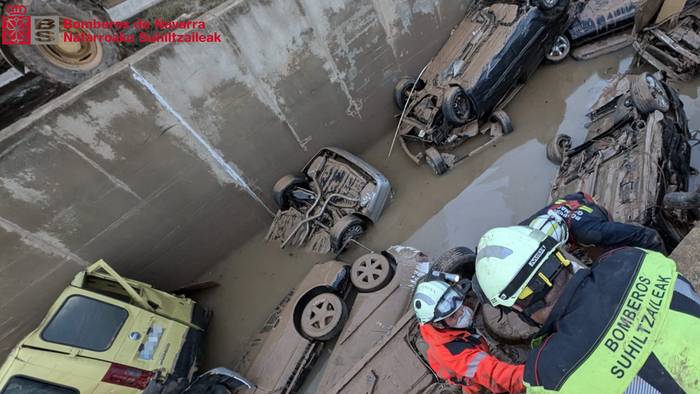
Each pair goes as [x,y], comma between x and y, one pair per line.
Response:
[501,186]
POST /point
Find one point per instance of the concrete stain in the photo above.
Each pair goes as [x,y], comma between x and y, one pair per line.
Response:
[318,16]
[43,241]
[20,188]
[226,172]
[99,136]
[260,67]
[116,181]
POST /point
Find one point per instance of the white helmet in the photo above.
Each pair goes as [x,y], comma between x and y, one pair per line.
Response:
[508,258]
[435,300]
[552,225]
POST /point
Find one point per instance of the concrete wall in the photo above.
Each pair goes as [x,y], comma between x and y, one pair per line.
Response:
[163,164]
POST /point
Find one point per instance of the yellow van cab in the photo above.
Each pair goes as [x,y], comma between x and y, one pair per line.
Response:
[109,334]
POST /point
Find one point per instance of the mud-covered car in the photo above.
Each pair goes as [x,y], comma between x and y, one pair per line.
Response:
[667,36]
[381,351]
[636,151]
[329,203]
[286,348]
[457,97]
[600,27]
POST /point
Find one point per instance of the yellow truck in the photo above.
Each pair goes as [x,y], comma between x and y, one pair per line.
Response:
[109,334]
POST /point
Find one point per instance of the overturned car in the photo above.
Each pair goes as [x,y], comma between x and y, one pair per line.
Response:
[667,36]
[636,151]
[321,308]
[459,94]
[330,203]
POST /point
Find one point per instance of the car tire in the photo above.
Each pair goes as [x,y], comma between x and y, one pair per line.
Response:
[560,49]
[282,188]
[371,272]
[648,94]
[502,118]
[345,229]
[435,161]
[557,147]
[403,88]
[323,317]
[455,106]
[460,260]
[59,65]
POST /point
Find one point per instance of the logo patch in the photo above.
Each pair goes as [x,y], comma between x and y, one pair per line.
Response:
[18,28]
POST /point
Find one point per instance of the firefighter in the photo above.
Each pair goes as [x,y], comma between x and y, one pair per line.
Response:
[457,353]
[589,224]
[630,323]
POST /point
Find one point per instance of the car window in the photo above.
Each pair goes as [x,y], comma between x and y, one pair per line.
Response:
[85,323]
[24,385]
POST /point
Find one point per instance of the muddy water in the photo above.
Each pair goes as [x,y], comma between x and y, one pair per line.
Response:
[500,186]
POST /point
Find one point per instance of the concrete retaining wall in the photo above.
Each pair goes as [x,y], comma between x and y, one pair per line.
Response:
[164,163]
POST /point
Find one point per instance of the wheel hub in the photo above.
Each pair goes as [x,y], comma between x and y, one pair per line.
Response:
[78,56]
[321,314]
[369,271]
[461,106]
[559,49]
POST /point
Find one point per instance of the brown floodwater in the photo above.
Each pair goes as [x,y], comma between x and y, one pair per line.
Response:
[500,186]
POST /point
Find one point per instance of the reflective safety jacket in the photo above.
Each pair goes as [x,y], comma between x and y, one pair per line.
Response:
[461,357]
[591,224]
[629,324]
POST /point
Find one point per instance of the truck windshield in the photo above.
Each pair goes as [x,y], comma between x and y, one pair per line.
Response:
[85,323]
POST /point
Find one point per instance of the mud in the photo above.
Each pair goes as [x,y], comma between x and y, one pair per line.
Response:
[498,187]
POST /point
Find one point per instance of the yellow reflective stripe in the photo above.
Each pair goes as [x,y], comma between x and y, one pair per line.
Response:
[525,293]
[586,209]
[564,261]
[545,279]
[637,330]
[677,349]
[560,201]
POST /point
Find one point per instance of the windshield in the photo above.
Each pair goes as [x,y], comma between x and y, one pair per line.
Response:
[85,323]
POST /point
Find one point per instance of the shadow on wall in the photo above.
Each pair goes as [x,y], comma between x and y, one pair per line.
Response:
[163,164]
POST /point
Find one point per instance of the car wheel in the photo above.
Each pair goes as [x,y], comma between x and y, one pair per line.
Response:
[557,147]
[371,272]
[648,94]
[435,161]
[560,49]
[282,188]
[502,118]
[68,63]
[460,260]
[455,106]
[403,88]
[347,228]
[323,317]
